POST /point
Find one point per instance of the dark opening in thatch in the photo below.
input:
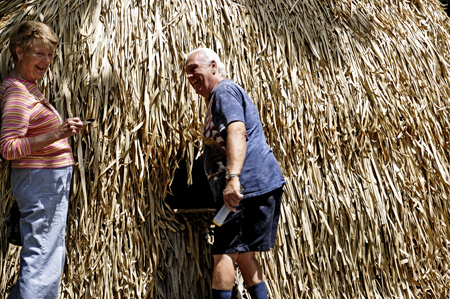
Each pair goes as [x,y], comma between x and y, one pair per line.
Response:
[195,196]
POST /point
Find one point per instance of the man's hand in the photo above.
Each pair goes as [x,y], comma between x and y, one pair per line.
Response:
[232,194]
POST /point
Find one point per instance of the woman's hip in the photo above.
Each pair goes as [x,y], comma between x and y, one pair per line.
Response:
[31,183]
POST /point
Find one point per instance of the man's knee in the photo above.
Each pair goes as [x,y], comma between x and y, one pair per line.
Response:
[224,272]
[225,258]
[245,257]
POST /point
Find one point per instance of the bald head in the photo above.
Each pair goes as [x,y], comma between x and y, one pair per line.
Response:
[203,71]
[208,56]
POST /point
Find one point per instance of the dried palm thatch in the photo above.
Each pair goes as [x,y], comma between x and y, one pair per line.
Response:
[353,96]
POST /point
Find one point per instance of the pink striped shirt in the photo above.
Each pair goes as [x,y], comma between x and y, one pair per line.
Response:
[26,113]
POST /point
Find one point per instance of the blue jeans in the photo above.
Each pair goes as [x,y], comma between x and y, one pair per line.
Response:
[42,196]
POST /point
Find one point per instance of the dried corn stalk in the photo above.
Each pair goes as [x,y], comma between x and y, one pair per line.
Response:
[353,96]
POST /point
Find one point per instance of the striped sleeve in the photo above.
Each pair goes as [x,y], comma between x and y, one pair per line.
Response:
[16,111]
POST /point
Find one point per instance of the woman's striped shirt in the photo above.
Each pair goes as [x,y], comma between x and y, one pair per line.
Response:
[26,113]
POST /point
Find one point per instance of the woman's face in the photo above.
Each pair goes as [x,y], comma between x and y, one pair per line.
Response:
[34,62]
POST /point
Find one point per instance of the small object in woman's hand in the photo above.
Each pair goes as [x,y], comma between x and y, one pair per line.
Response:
[88,121]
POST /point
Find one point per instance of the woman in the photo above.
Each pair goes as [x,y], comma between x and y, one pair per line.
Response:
[35,139]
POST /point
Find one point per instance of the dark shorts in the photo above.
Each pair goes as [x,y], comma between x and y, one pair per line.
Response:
[252,227]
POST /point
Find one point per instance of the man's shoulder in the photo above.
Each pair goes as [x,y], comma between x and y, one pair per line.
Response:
[228,86]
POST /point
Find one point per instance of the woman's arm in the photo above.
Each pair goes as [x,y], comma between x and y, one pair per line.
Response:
[16,115]
[69,127]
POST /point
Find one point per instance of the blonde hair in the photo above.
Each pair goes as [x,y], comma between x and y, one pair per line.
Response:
[27,33]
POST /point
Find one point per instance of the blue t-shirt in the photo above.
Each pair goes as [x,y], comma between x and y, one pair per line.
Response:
[260,174]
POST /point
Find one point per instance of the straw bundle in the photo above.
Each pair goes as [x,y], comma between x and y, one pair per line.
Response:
[353,96]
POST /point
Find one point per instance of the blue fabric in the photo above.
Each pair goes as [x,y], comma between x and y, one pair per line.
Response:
[260,173]
[258,291]
[42,196]
[221,294]
[253,227]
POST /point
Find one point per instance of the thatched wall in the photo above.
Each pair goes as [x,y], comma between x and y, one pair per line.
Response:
[354,98]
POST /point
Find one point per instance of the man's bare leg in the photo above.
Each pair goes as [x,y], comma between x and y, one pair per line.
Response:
[253,275]
[224,271]
[250,268]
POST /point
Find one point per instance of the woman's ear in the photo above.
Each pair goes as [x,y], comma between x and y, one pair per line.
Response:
[19,53]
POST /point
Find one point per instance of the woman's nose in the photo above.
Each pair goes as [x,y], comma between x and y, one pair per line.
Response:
[47,58]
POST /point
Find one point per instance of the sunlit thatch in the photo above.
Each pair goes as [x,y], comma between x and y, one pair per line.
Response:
[354,100]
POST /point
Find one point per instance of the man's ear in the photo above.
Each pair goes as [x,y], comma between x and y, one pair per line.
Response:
[214,67]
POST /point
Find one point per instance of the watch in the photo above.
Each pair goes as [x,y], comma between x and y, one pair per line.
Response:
[229,175]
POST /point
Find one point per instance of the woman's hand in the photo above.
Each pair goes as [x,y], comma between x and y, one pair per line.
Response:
[232,194]
[69,127]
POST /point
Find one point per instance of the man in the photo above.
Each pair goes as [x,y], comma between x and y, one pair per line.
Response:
[242,172]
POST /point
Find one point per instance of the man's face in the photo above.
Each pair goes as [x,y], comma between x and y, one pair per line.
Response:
[200,75]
